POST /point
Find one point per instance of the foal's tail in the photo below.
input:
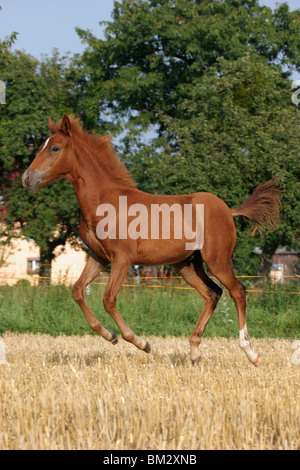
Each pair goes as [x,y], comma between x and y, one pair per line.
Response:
[262,207]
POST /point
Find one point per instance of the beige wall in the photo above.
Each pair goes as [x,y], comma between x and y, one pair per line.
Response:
[66,267]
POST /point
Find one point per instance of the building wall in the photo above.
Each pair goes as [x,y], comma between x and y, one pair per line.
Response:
[14,260]
[288,261]
[66,267]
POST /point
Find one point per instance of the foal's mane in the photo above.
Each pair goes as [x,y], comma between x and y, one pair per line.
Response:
[103,150]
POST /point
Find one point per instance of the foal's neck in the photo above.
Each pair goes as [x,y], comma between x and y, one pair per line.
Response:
[88,171]
[93,184]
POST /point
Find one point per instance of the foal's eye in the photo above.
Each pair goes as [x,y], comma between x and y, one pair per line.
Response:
[54,149]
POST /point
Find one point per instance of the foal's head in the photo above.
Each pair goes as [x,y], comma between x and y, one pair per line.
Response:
[54,159]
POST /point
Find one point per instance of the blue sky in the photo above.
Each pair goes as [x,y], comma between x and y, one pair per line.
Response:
[44,25]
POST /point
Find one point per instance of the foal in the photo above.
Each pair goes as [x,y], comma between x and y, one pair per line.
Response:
[104,186]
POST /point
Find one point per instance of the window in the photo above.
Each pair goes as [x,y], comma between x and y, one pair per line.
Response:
[33,265]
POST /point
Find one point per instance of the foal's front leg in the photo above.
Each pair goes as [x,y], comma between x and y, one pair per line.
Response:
[119,269]
[92,269]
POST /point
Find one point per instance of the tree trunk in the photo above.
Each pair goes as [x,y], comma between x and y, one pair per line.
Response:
[46,256]
[266,260]
[265,265]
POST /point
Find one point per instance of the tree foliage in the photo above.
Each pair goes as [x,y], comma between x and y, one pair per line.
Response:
[210,80]
[213,79]
[34,91]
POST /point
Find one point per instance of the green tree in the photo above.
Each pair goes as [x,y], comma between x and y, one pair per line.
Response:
[213,79]
[34,91]
[242,128]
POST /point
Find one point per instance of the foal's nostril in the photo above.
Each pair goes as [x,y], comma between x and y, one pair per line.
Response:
[25,180]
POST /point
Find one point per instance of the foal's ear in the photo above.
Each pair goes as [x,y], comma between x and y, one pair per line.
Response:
[65,127]
[52,126]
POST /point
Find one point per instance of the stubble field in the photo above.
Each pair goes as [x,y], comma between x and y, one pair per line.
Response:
[80,392]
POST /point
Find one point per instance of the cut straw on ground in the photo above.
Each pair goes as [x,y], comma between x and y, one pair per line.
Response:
[80,392]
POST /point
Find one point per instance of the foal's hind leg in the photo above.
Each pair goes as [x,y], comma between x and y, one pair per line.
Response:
[194,274]
[238,293]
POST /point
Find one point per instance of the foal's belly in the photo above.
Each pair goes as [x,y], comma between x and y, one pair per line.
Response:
[155,252]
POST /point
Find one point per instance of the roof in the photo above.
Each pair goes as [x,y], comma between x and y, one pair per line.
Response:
[285,250]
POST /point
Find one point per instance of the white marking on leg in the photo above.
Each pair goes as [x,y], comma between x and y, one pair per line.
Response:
[246,346]
[45,144]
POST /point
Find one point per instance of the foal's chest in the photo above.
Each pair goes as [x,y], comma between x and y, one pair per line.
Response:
[90,239]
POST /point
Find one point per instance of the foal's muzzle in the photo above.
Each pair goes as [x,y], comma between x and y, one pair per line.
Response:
[31,179]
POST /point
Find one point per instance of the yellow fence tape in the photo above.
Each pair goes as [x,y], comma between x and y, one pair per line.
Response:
[160,286]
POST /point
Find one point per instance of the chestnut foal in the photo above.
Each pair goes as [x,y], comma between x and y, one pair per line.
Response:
[101,180]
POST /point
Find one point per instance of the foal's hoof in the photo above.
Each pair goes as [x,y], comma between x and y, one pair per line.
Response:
[147,348]
[196,361]
[257,361]
[114,339]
